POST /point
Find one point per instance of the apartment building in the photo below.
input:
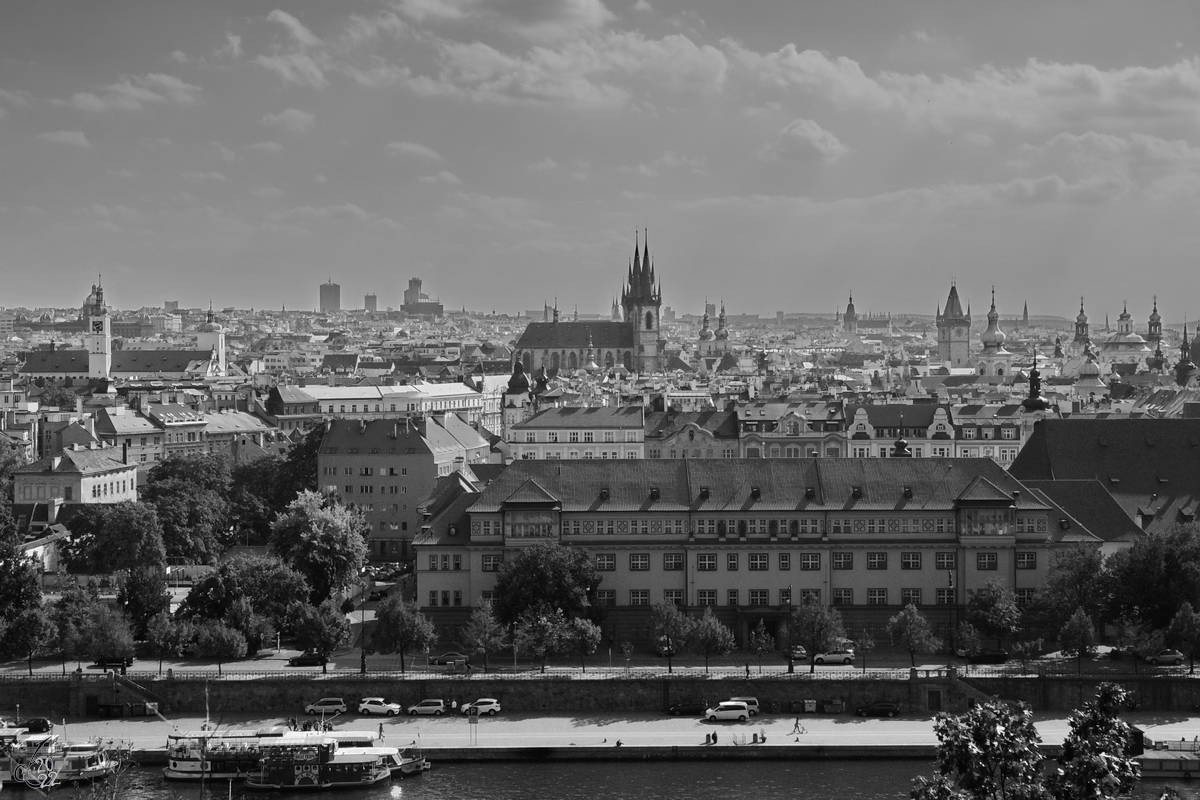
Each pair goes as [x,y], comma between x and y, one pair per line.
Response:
[589,433]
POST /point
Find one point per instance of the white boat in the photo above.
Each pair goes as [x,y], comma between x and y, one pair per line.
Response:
[42,761]
[193,755]
[410,761]
[318,764]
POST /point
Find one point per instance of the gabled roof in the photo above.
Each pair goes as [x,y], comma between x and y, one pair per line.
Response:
[531,492]
[981,490]
[84,461]
[577,417]
[575,335]
[1092,505]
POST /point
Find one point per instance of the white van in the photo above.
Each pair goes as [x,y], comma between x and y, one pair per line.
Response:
[751,703]
[728,709]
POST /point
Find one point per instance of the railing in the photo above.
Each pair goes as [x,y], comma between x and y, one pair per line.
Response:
[1183,745]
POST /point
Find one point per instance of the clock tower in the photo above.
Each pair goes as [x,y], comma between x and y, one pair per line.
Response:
[98,327]
[954,332]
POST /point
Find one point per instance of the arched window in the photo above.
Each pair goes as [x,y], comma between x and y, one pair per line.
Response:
[608,359]
[554,361]
[572,361]
[627,360]
[649,320]
[794,526]
[527,362]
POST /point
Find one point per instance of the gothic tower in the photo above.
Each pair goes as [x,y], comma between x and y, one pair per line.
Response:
[99,333]
[850,320]
[1081,327]
[1154,330]
[641,301]
[954,332]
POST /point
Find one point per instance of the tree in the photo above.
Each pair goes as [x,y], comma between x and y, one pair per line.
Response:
[1095,758]
[108,635]
[1155,576]
[19,588]
[143,595]
[541,632]
[12,457]
[484,633]
[257,496]
[671,628]
[324,540]
[1137,639]
[1078,637]
[1075,581]
[167,637]
[582,637]
[218,641]
[989,752]
[993,610]
[298,473]
[818,627]
[1184,633]
[72,615]
[269,584]
[111,537]
[195,520]
[912,631]
[56,395]
[1026,650]
[865,643]
[29,634]
[550,575]
[761,642]
[710,637]
[256,628]
[401,628]
[322,629]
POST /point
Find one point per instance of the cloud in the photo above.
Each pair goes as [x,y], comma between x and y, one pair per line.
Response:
[267,192]
[122,173]
[226,153]
[265,147]
[413,149]
[203,177]
[232,49]
[642,5]
[804,140]
[442,177]
[302,60]
[292,120]
[537,20]
[671,160]
[133,94]
[302,35]
[341,213]
[544,165]
[75,138]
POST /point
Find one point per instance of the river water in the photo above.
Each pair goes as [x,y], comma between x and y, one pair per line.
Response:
[843,780]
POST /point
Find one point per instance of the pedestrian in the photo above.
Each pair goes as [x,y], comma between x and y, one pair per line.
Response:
[747,669]
[454,705]
[381,731]
[796,727]
[714,737]
[762,735]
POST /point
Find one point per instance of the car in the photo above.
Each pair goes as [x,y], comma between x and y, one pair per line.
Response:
[377,705]
[664,647]
[728,710]
[1168,656]
[377,594]
[985,656]
[835,657]
[798,653]
[307,659]
[449,658]
[37,725]
[326,705]
[751,703]
[484,705]
[429,707]
[114,662]
[879,709]
[694,706]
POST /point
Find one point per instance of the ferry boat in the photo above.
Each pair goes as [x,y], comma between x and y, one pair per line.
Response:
[193,755]
[410,761]
[321,764]
[42,761]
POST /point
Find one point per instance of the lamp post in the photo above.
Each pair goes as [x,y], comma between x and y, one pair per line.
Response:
[362,631]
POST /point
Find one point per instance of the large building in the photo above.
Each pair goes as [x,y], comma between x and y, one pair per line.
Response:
[571,432]
[954,332]
[635,343]
[417,303]
[74,476]
[331,296]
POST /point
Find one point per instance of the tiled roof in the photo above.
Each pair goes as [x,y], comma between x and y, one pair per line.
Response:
[437,531]
[574,336]
[83,461]
[721,424]
[530,492]
[577,417]
[1092,505]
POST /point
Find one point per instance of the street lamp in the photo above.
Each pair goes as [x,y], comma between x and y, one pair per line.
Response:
[362,631]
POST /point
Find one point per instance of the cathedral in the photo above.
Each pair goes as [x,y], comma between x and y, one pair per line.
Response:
[635,342]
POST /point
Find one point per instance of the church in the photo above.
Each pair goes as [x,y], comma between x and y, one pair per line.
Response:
[635,342]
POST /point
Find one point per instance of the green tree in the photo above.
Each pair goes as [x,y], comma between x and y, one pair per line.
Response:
[818,627]
[865,643]
[994,611]
[912,631]
[255,628]
[582,637]
[1184,633]
[322,629]
[12,458]
[266,581]
[1078,637]
[541,632]
[30,634]
[969,640]
[546,574]
[989,752]
[195,520]
[19,588]
[109,634]
[484,633]
[761,642]
[72,615]
[167,637]
[1027,650]
[143,595]
[221,643]
[1095,759]
[111,537]
[257,496]
[709,637]
[401,628]
[671,629]
[1157,575]
[298,473]
[324,540]
[1076,580]
[56,395]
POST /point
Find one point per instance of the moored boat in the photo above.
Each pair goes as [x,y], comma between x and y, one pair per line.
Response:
[408,762]
[42,761]
[320,764]
[193,755]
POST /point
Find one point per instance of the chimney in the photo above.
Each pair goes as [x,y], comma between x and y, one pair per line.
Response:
[124,452]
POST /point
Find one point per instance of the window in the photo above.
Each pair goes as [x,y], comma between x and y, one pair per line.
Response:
[785,597]
[843,597]
[639,597]
[877,597]
[457,597]
[639,562]
[706,562]
[910,561]
[573,436]
[606,597]
[1008,433]
[945,561]
[731,562]
[759,562]
[1026,560]
[876,560]
[606,562]
[491,563]
[910,596]
[433,562]
[706,597]
[813,594]
[968,433]
[1025,596]
[458,562]
[445,562]
[986,561]
[673,596]
[731,597]
[785,562]
[945,597]
[433,598]
[810,561]
[672,562]
[843,560]
[759,597]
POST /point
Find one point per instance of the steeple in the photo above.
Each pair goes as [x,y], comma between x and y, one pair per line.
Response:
[1035,401]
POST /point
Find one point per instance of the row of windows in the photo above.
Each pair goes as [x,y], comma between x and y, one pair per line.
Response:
[445,597]
[586,455]
[757,526]
[587,436]
[366,471]
[445,562]
[695,452]
[762,597]
[369,489]
[436,405]
[757,562]
[105,489]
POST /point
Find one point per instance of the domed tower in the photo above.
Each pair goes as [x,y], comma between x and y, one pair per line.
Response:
[1154,329]
[722,334]
[1124,322]
[994,360]
[211,336]
[99,333]
[1089,384]
[850,320]
[642,301]
[1035,402]
[1081,329]
[954,331]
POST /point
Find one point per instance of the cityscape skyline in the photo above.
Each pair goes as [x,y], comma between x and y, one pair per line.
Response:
[509,151]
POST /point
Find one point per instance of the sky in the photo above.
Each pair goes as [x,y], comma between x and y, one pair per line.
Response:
[781,154]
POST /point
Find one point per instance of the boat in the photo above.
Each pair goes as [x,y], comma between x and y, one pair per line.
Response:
[408,762]
[1164,764]
[317,764]
[230,754]
[43,760]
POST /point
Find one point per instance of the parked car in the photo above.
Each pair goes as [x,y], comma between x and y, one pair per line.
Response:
[879,709]
[326,705]
[798,653]
[1168,656]
[308,659]
[694,706]
[37,725]
[751,703]
[377,594]
[449,658]
[486,705]
[985,656]
[728,710]
[114,662]
[377,705]
[835,657]
[433,708]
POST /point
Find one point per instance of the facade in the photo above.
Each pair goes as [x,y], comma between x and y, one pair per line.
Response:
[954,332]
[770,429]
[139,440]
[302,407]
[573,433]
[76,475]
[994,358]
[98,327]
[873,430]
[330,297]
[370,303]
[184,430]
[692,434]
